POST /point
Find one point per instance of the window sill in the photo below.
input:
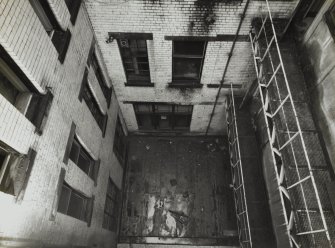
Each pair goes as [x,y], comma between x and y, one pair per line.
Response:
[185,85]
[143,84]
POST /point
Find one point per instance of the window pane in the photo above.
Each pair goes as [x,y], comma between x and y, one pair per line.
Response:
[77,206]
[7,89]
[64,199]
[189,47]
[183,108]
[143,108]
[74,153]
[163,108]
[186,68]
[84,162]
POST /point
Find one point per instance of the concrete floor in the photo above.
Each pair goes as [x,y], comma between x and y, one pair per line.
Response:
[178,188]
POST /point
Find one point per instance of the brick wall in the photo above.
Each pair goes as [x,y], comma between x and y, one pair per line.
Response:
[26,41]
[178,18]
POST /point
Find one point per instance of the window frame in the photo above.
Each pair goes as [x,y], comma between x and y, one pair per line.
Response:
[73,7]
[119,143]
[29,101]
[154,115]
[135,82]
[115,216]
[85,88]
[184,81]
[84,211]
[59,38]
[94,64]
[82,151]
[22,163]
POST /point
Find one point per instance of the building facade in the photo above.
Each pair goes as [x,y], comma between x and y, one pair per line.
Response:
[78,77]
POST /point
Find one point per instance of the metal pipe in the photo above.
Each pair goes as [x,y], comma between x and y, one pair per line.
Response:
[227,64]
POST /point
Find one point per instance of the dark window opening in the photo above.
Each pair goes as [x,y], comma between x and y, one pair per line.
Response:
[14,170]
[112,210]
[81,158]
[73,6]
[188,59]
[73,203]
[93,106]
[19,91]
[60,38]
[120,144]
[99,75]
[135,60]
[165,117]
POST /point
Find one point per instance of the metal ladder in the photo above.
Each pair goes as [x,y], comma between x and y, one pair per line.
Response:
[294,143]
[238,185]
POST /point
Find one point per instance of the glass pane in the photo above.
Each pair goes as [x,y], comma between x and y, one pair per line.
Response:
[142,60]
[163,108]
[143,108]
[186,68]
[64,199]
[141,47]
[74,153]
[7,89]
[189,47]
[84,162]
[183,109]
[76,206]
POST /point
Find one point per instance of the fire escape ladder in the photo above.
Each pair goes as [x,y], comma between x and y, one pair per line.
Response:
[238,183]
[304,214]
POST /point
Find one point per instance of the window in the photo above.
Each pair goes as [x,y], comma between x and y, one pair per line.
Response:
[60,38]
[119,146]
[81,158]
[188,59]
[15,170]
[111,212]
[73,203]
[160,116]
[73,7]
[92,105]
[93,61]
[18,90]
[135,60]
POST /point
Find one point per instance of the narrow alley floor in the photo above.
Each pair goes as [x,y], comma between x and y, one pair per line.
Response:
[177,188]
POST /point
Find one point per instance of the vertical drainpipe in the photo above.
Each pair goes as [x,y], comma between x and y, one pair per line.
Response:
[227,64]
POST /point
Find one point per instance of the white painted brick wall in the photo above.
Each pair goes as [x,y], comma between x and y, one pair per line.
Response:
[174,18]
[24,38]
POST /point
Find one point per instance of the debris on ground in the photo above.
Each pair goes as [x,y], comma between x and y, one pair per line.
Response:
[147,147]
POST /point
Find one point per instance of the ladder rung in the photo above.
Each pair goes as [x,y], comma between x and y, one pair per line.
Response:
[262,27]
[281,105]
[289,141]
[299,182]
[234,165]
[273,75]
[311,232]
[268,48]
[243,212]
[238,187]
